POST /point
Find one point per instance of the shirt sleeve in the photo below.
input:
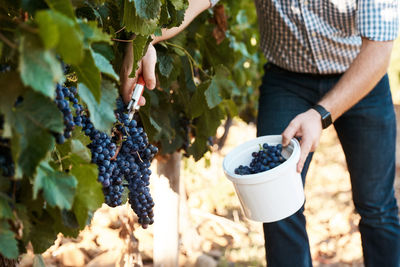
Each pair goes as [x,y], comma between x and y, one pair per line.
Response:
[213,2]
[378,20]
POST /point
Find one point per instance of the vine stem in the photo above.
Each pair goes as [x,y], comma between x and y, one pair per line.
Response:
[59,159]
[123,41]
[8,42]
[118,147]
[120,30]
[21,23]
[139,156]
[191,59]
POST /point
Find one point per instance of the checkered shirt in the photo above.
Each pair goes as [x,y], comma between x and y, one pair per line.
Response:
[322,36]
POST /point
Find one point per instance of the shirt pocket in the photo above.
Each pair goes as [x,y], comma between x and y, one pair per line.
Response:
[340,17]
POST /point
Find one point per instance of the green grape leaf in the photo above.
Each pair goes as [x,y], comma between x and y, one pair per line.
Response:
[198,100]
[208,122]
[104,65]
[5,209]
[198,148]
[69,220]
[125,196]
[176,16]
[212,95]
[147,9]
[93,34]
[230,106]
[150,125]
[223,79]
[48,30]
[71,51]
[9,94]
[89,195]
[206,126]
[62,6]
[78,148]
[64,221]
[104,49]
[8,244]
[42,234]
[78,134]
[58,187]
[101,114]
[139,46]
[179,4]
[134,23]
[32,122]
[164,16]
[74,150]
[39,111]
[221,83]
[39,68]
[89,74]
[165,63]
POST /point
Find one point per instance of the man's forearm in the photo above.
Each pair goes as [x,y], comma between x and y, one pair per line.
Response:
[363,74]
[194,9]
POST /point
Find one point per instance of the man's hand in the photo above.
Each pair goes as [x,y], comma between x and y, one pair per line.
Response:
[308,126]
[146,68]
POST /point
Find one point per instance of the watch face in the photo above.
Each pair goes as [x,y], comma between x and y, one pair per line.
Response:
[326,120]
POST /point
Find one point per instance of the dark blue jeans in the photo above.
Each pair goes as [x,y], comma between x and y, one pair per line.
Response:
[367,133]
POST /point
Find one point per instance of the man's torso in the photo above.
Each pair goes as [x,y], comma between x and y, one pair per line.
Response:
[315,36]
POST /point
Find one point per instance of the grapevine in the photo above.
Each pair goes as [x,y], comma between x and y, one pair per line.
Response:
[65,144]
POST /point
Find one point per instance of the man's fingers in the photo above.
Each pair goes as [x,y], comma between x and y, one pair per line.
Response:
[142,101]
[127,89]
[289,132]
[305,148]
[149,66]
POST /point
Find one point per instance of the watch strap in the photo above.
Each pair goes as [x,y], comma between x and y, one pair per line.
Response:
[326,118]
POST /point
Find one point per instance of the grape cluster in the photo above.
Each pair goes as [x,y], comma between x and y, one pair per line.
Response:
[63,94]
[134,159]
[103,150]
[124,156]
[266,158]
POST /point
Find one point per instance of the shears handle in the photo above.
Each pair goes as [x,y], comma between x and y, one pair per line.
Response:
[137,93]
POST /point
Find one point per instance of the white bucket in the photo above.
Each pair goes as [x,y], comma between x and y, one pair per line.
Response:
[271,195]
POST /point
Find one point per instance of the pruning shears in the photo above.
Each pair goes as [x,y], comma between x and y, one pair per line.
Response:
[133,105]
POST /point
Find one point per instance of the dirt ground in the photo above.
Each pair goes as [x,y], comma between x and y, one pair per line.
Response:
[225,237]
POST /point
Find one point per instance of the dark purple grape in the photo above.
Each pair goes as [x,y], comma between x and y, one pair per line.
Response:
[266,158]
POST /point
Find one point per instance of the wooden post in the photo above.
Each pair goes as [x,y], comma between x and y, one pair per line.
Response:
[166,211]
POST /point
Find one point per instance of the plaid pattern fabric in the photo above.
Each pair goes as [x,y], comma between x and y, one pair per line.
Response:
[322,36]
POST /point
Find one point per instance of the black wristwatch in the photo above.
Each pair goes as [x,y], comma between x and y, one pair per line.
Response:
[326,118]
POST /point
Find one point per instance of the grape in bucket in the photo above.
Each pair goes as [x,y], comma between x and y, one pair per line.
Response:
[266,158]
